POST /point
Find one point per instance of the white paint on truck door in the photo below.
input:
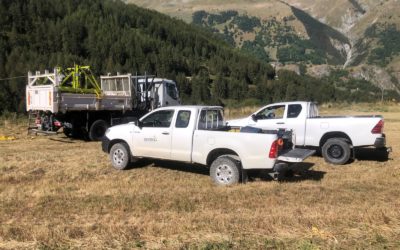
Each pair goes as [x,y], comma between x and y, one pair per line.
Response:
[153,137]
[296,121]
[182,135]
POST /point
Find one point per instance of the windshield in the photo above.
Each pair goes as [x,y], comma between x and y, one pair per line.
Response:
[171,90]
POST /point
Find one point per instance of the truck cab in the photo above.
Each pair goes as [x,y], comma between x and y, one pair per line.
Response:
[283,115]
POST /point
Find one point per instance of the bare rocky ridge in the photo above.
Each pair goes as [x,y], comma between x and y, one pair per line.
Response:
[339,27]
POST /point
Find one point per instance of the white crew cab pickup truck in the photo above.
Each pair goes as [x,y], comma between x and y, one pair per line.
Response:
[197,134]
[335,136]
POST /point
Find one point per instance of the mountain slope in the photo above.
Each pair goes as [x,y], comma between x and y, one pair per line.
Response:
[346,33]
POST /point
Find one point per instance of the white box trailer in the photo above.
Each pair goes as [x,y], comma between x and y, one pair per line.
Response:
[85,110]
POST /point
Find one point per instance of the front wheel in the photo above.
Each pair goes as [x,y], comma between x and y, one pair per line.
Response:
[225,171]
[120,156]
[336,151]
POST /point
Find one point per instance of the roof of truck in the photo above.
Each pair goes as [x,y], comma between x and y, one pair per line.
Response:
[291,102]
[191,107]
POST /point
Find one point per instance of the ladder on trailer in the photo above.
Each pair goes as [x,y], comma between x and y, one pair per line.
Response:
[32,116]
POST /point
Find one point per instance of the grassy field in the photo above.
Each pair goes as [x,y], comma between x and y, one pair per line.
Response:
[62,193]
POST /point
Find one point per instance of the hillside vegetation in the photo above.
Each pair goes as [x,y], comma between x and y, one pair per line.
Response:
[305,32]
[112,36]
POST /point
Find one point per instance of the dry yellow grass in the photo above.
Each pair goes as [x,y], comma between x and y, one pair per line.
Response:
[61,193]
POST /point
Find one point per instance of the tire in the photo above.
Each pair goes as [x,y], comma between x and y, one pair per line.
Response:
[225,171]
[120,156]
[336,151]
[97,130]
[68,132]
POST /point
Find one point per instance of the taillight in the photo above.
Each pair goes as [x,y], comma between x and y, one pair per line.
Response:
[275,147]
[57,124]
[378,128]
[38,121]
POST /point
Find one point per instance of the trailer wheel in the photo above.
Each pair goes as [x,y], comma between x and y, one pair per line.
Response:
[97,130]
[336,151]
[225,171]
[119,155]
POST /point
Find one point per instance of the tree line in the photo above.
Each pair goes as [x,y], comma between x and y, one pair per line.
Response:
[112,36]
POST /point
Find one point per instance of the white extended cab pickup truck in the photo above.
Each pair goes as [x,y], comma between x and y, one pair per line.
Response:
[198,134]
[335,136]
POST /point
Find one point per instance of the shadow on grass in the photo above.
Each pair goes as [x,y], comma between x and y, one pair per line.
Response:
[172,165]
[372,154]
[62,139]
[301,172]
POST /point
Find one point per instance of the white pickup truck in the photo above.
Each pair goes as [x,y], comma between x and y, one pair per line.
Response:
[335,136]
[197,134]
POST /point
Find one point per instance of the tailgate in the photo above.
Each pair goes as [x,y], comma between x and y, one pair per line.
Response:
[296,155]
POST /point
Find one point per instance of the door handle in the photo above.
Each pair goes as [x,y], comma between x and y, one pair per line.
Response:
[165,133]
[280,123]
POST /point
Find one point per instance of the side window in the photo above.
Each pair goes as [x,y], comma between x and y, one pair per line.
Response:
[294,110]
[183,118]
[274,112]
[211,119]
[160,119]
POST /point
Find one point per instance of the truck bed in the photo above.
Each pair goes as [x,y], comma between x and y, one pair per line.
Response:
[69,101]
[49,98]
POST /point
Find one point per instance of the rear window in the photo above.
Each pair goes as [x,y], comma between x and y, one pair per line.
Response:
[211,119]
[294,110]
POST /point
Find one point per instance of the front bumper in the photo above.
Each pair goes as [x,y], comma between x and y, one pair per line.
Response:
[105,142]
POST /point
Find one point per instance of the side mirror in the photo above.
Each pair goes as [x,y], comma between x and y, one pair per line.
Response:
[138,123]
[254,117]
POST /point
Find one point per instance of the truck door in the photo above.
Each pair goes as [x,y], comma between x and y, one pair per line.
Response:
[296,120]
[271,117]
[182,136]
[153,137]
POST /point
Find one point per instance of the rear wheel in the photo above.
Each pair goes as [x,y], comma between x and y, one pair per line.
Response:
[225,171]
[336,151]
[119,156]
[97,130]
[67,132]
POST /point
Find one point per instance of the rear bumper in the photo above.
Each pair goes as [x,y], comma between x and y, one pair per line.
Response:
[105,142]
[380,142]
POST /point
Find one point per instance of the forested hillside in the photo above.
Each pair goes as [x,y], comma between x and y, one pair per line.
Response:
[111,36]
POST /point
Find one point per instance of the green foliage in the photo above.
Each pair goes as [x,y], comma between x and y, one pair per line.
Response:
[388,39]
[271,33]
[246,23]
[112,36]
[255,50]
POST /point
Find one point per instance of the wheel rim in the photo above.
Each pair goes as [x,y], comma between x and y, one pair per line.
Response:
[119,157]
[335,151]
[224,173]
